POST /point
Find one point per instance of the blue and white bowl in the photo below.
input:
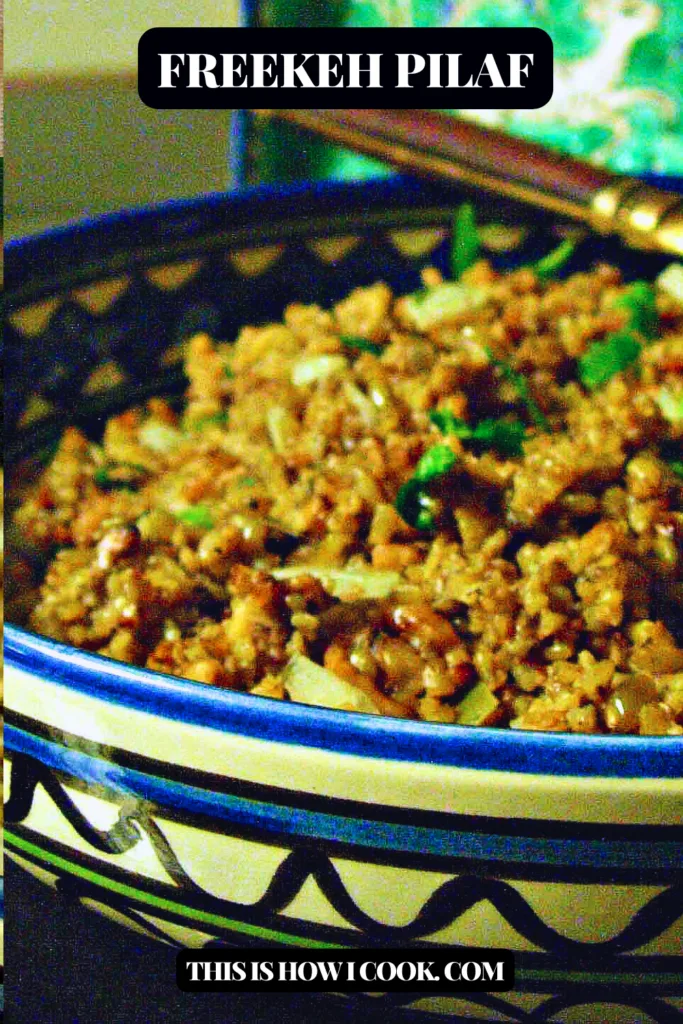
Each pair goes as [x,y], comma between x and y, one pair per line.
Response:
[204,816]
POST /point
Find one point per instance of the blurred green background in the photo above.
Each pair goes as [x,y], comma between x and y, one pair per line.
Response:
[618,98]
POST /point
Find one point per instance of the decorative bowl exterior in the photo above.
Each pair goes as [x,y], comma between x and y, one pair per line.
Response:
[202,816]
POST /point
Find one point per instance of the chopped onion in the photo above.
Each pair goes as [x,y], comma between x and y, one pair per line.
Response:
[316,368]
[308,683]
[671,281]
[477,707]
[442,303]
[361,403]
[160,437]
[278,422]
[349,584]
[671,405]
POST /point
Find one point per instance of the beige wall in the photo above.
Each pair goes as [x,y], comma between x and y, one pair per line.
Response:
[67,36]
[78,140]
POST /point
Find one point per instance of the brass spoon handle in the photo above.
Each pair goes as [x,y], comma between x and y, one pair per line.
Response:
[441,146]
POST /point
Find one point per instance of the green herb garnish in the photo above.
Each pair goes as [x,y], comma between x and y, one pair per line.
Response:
[45,455]
[219,419]
[505,436]
[196,515]
[362,344]
[640,302]
[227,372]
[420,296]
[619,350]
[465,245]
[414,503]
[119,476]
[555,260]
[603,359]
[676,466]
[434,463]
[247,481]
[536,414]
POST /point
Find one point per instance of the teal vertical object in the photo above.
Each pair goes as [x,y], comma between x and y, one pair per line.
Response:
[272,151]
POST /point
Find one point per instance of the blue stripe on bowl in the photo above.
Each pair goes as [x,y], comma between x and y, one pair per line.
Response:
[373,834]
[345,732]
[35,265]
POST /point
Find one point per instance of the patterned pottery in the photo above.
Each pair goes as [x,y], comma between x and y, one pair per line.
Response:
[203,816]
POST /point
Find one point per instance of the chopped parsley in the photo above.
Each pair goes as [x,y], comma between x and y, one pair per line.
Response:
[505,436]
[434,463]
[553,261]
[621,349]
[603,359]
[414,502]
[676,466]
[362,344]
[465,245]
[640,302]
[120,476]
[415,505]
[536,414]
[198,516]
[45,455]
[218,419]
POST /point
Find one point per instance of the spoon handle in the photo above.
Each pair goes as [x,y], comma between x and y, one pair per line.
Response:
[433,144]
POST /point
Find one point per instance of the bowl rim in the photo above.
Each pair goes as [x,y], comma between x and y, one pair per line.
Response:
[174,222]
[177,699]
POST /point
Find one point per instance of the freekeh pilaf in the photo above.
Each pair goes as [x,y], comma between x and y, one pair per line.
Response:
[461,505]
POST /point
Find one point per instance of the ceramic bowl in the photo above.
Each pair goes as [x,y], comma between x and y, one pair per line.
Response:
[204,816]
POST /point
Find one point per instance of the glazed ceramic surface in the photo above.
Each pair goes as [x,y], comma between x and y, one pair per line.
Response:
[204,816]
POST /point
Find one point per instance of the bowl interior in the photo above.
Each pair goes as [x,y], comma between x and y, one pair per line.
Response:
[97,315]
